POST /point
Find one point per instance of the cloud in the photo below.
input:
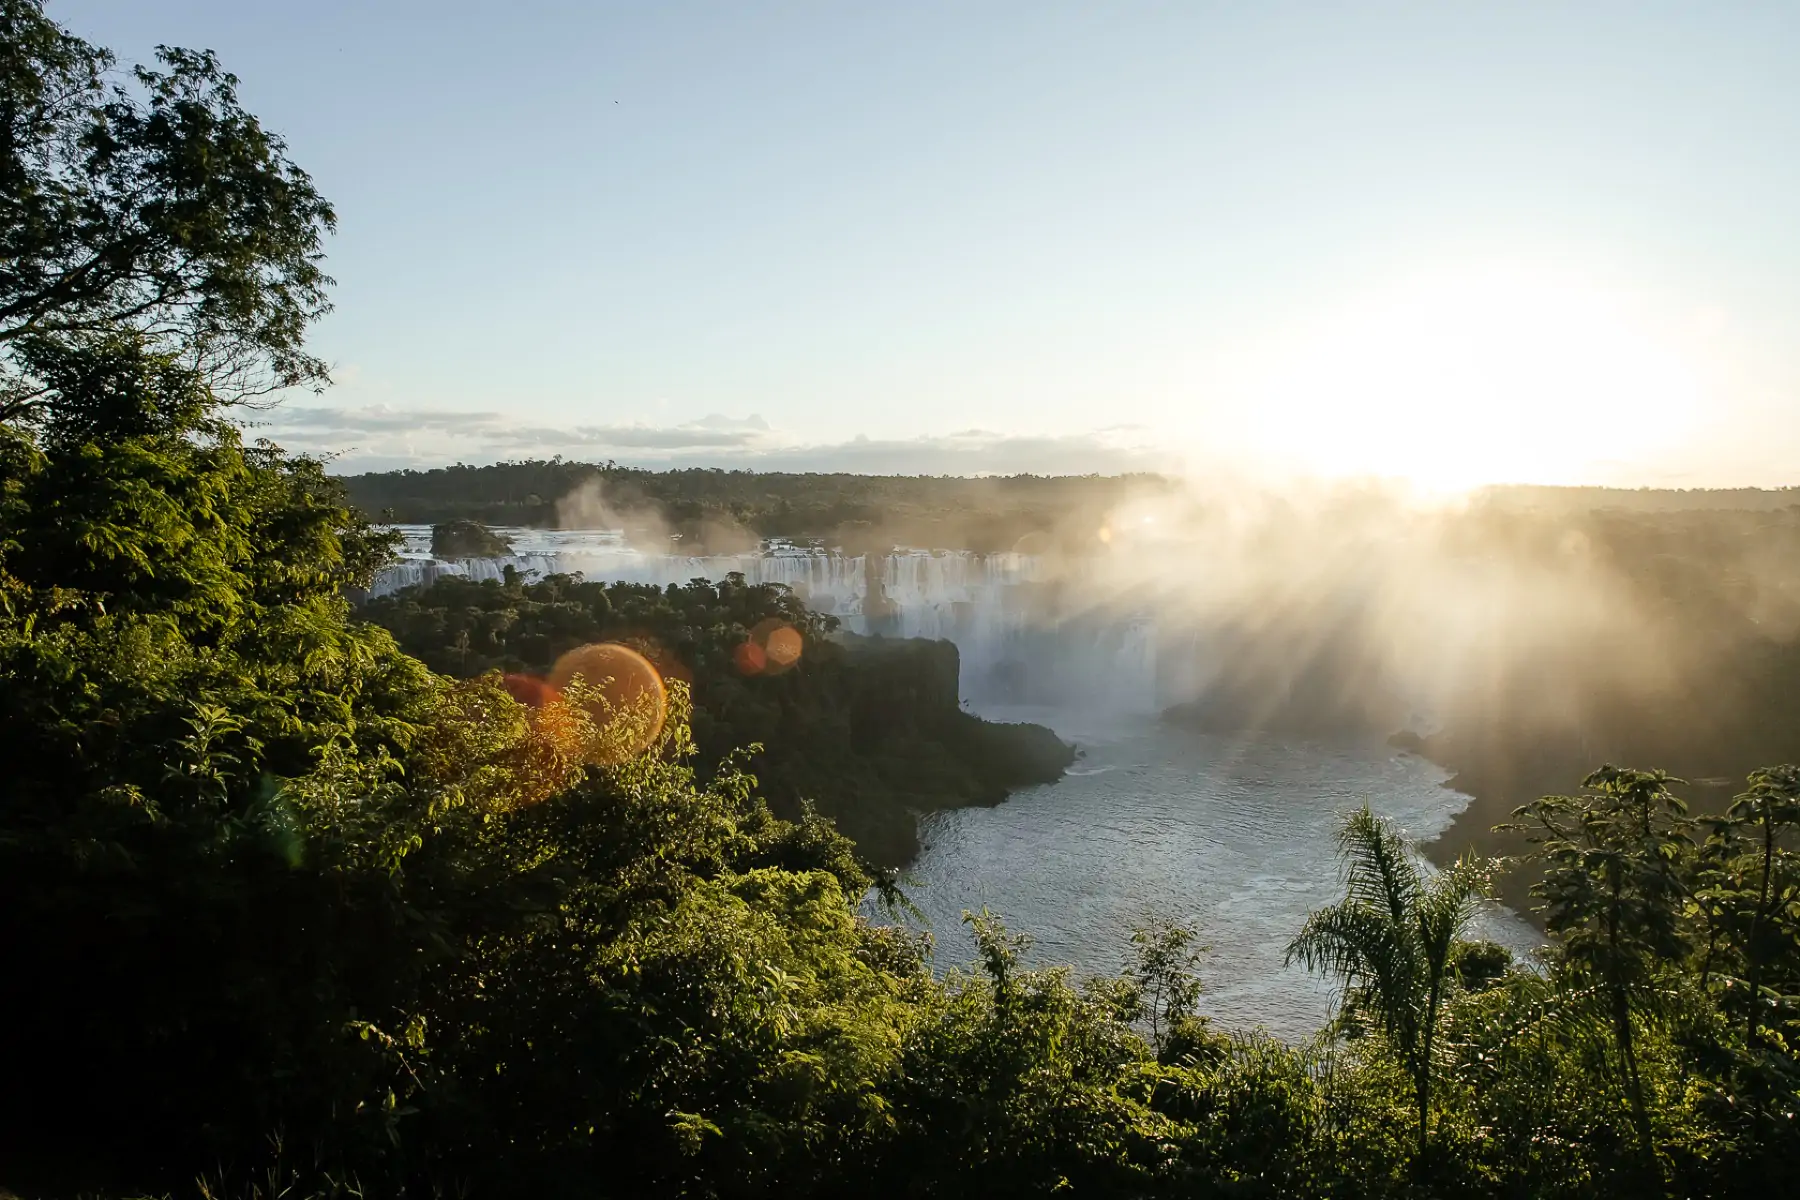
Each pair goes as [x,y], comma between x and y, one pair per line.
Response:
[678,438]
[376,419]
[383,438]
[753,422]
[440,435]
[971,452]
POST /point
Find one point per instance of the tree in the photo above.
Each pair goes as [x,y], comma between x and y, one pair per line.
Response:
[1165,985]
[1750,869]
[1614,898]
[1014,1083]
[159,208]
[202,776]
[1393,939]
[1749,890]
[467,539]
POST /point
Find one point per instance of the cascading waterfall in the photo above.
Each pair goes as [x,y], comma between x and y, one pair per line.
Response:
[1014,648]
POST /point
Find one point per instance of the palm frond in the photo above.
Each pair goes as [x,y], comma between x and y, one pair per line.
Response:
[1448,902]
[1379,869]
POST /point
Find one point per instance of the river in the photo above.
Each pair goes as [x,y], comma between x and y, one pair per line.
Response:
[1233,833]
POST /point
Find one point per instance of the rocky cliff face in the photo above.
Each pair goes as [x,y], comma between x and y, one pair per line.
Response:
[904,714]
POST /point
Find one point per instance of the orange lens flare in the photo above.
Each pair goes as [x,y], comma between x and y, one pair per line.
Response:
[623,694]
[783,646]
[749,658]
[774,646]
[529,690]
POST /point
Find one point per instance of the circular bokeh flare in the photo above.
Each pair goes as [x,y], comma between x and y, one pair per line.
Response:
[773,647]
[623,694]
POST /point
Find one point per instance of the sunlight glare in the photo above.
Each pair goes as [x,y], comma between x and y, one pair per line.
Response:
[1495,375]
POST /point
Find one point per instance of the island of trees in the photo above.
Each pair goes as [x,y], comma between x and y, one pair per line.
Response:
[865,731]
[284,910]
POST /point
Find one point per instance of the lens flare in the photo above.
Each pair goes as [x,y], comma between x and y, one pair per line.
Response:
[529,690]
[776,645]
[783,646]
[668,664]
[749,658]
[622,693]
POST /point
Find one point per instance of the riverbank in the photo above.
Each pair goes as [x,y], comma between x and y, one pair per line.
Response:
[1499,782]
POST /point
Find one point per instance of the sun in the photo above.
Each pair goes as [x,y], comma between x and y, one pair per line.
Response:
[1482,375]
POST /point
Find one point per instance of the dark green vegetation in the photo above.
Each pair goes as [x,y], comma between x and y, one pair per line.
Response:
[724,510]
[720,510]
[467,539]
[867,729]
[286,912]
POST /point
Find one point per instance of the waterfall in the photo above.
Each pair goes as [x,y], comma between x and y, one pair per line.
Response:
[1015,648]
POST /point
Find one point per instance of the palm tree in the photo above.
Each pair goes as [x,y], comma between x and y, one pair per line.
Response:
[1391,938]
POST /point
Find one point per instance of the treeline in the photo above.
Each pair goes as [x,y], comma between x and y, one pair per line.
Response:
[1582,500]
[715,509]
[709,505]
[867,730]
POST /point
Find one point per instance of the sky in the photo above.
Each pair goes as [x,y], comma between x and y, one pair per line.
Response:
[1454,243]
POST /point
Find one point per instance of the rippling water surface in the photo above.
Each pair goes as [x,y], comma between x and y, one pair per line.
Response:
[1235,833]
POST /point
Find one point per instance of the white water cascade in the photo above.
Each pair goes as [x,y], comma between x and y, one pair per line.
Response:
[1014,650]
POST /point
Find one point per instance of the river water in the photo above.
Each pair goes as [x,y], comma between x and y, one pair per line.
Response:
[1233,833]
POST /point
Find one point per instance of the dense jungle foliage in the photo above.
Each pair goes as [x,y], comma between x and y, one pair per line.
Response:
[283,911]
[868,730]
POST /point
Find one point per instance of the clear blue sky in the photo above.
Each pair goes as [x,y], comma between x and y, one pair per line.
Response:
[997,236]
